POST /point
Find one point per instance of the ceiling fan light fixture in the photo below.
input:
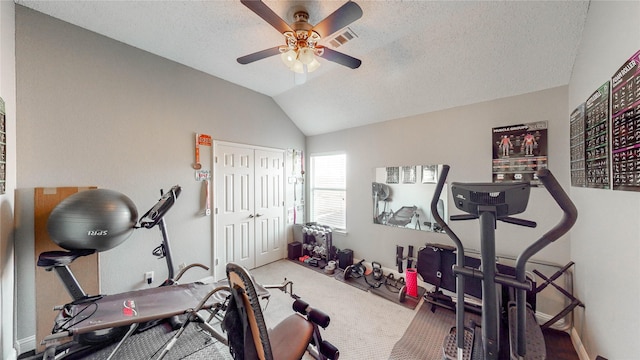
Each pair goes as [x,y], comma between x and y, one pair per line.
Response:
[313,65]
[299,59]
[305,55]
[297,67]
[289,57]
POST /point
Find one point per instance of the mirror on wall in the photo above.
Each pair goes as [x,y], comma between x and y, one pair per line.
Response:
[402,197]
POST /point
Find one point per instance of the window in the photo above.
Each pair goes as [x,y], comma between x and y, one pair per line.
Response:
[328,190]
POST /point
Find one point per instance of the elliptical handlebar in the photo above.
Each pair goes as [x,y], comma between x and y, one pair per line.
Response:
[563,201]
[553,187]
[157,212]
[459,251]
[569,218]
[434,204]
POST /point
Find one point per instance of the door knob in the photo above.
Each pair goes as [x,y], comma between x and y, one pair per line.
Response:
[250,216]
[258,215]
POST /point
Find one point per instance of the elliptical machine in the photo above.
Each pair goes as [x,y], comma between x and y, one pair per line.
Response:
[490,202]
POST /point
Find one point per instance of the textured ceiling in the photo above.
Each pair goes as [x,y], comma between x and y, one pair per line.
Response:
[417,56]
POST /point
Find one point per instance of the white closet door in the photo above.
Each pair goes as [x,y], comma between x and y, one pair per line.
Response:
[249,212]
[234,216]
[269,206]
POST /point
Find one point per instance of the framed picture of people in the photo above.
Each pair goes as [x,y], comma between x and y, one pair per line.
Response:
[519,151]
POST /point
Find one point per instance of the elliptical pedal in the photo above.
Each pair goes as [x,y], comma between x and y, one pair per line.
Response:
[535,343]
[450,348]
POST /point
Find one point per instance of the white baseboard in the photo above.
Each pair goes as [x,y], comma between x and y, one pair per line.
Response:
[577,344]
[559,325]
[26,344]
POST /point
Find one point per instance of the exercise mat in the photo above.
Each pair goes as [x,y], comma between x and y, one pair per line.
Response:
[148,344]
[424,337]
[393,295]
[387,292]
[358,283]
[319,268]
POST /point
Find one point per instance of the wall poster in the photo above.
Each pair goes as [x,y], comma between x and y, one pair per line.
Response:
[295,214]
[519,151]
[625,125]
[578,172]
[596,138]
[3,149]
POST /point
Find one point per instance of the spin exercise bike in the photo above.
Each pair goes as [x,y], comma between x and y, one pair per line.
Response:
[490,202]
[98,220]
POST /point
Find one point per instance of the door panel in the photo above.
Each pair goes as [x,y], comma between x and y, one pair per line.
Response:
[270,239]
[234,223]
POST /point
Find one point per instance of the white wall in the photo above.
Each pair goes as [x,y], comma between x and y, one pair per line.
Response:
[460,137]
[94,111]
[606,239]
[7,261]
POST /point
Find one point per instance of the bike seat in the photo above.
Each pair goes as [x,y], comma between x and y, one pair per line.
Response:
[51,259]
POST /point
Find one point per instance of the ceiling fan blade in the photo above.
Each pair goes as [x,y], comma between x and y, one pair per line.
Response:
[340,58]
[262,10]
[259,55]
[340,18]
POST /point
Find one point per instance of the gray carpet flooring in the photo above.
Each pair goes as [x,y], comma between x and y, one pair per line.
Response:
[363,325]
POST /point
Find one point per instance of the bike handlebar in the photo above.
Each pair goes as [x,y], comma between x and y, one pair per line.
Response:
[518,221]
[157,212]
[507,219]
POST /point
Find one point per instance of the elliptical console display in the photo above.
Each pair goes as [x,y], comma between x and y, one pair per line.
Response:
[508,199]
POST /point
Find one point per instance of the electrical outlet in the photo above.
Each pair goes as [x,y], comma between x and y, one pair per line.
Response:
[148,277]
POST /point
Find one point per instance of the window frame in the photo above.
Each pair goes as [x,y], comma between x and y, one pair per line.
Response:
[313,188]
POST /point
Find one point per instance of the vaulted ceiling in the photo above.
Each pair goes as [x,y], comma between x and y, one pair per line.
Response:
[417,56]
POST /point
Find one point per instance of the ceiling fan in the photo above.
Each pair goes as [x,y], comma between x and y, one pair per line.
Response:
[302,39]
